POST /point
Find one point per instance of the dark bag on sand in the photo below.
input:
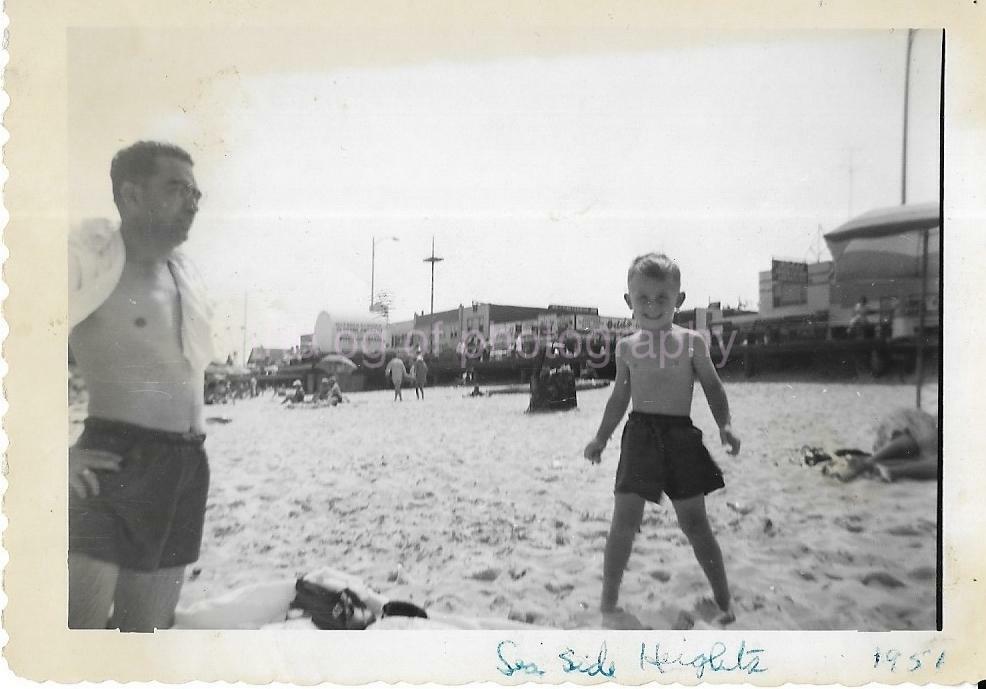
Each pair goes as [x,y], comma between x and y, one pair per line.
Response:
[344,609]
[332,609]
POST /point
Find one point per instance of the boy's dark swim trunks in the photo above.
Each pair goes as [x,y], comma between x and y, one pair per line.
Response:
[665,454]
[148,515]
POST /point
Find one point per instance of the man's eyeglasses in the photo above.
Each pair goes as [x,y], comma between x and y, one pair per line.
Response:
[187,191]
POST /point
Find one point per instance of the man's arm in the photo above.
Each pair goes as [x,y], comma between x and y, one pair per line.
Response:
[616,407]
[715,393]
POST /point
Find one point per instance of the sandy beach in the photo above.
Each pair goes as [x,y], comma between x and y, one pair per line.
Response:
[471,507]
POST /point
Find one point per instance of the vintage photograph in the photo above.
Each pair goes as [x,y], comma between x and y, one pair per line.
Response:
[559,346]
[644,339]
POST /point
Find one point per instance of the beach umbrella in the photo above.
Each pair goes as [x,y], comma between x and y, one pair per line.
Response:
[336,364]
[896,242]
[241,371]
[218,370]
[887,243]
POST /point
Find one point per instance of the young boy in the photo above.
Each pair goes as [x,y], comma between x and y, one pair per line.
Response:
[661,451]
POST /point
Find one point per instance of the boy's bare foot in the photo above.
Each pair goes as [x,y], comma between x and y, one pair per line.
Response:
[715,613]
[726,616]
[618,618]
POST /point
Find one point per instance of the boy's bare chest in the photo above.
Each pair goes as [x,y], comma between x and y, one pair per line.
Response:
[660,367]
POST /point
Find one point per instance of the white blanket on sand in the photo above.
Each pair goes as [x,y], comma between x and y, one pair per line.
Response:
[265,606]
[96,256]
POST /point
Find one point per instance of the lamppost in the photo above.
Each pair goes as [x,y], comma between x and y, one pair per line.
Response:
[433,259]
[373,263]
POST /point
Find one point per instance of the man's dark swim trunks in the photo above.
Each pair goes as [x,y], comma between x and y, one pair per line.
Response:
[664,454]
[149,515]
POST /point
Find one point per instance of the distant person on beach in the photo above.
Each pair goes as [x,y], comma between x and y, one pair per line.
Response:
[396,371]
[860,322]
[661,451]
[419,370]
[324,386]
[335,392]
[140,332]
[296,395]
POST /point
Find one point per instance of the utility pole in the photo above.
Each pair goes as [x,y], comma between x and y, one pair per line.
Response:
[433,259]
[243,358]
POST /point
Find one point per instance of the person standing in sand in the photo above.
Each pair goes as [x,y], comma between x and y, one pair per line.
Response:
[419,371]
[661,451]
[396,371]
[140,332]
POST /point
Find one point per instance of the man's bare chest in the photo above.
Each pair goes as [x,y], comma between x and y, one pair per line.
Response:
[143,311]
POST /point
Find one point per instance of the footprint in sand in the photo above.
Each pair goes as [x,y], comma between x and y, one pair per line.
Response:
[559,589]
[661,575]
[883,579]
[922,574]
[903,530]
[850,524]
[488,574]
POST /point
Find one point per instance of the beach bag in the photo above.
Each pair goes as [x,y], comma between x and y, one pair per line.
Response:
[344,609]
[331,609]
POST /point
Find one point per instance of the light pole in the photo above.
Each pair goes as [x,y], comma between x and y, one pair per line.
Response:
[433,259]
[373,263]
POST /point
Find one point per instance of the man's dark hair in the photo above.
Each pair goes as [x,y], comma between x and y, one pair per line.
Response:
[137,162]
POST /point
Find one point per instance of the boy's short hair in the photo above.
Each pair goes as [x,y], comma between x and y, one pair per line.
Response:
[137,162]
[655,265]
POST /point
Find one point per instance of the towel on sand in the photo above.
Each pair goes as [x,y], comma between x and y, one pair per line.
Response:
[266,606]
[96,256]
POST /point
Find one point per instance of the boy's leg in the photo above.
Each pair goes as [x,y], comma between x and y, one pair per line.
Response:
[147,600]
[91,584]
[628,510]
[694,522]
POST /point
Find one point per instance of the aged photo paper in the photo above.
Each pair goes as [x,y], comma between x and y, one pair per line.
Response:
[340,308]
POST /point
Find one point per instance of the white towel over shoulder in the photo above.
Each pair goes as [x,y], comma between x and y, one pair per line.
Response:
[96,255]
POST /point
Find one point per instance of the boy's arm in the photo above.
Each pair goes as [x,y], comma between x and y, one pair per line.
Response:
[715,393]
[616,407]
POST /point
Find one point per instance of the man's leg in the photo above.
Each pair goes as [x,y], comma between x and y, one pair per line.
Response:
[147,600]
[628,510]
[694,522]
[91,584]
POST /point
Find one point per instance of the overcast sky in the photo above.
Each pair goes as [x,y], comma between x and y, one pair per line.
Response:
[540,173]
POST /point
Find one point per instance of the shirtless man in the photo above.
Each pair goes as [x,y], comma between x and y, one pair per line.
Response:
[139,475]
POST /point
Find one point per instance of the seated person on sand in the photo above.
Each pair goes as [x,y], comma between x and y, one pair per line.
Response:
[906,447]
[322,396]
[335,392]
[297,396]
